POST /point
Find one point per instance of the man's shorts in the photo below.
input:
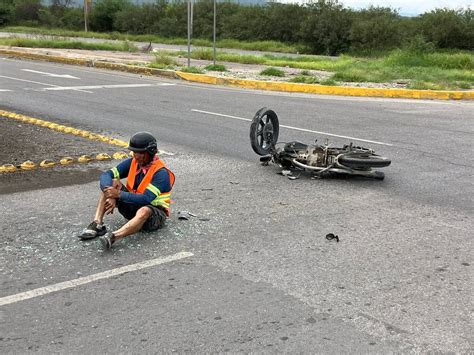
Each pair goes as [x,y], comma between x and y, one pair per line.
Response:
[154,222]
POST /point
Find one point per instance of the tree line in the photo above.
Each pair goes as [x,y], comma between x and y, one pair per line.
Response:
[319,27]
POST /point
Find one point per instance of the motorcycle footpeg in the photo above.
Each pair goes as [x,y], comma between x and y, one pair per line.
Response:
[265,159]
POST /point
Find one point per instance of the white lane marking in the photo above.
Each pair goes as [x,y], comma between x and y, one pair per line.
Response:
[87,279]
[66,76]
[37,82]
[117,86]
[5,90]
[296,128]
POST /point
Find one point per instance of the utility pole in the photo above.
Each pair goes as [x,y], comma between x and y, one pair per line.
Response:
[189,31]
[85,15]
[214,33]
[87,10]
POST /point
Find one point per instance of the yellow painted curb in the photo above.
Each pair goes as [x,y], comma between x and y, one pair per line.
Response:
[64,129]
[329,90]
[49,163]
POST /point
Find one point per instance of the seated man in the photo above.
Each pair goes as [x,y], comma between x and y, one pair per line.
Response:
[144,200]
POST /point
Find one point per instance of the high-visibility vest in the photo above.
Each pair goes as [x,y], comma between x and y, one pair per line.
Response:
[163,199]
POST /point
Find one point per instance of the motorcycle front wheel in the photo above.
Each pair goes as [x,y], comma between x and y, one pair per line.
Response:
[264,131]
[364,161]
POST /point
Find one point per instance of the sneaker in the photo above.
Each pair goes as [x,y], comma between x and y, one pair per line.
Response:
[93,230]
[107,240]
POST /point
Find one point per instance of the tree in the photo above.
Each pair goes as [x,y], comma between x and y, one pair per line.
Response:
[326,27]
[449,28]
[375,28]
[103,14]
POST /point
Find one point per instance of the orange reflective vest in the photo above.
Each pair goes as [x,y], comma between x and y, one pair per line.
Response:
[163,199]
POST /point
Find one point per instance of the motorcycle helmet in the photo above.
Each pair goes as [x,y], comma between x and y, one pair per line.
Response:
[143,142]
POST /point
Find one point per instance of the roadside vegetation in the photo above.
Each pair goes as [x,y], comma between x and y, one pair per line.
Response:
[124,46]
[431,51]
[417,65]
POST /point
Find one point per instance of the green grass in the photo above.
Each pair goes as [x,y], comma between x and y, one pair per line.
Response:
[216,67]
[271,46]
[163,61]
[424,70]
[304,79]
[272,72]
[194,70]
[67,44]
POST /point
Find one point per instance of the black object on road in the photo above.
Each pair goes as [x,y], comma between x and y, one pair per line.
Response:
[331,236]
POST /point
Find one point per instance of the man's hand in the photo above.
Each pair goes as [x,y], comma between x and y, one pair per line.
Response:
[110,205]
[111,192]
[117,184]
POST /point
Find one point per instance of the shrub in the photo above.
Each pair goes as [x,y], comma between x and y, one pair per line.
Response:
[326,27]
[304,79]
[27,11]
[163,59]
[329,82]
[375,28]
[216,67]
[103,14]
[449,28]
[272,72]
[194,70]
[6,12]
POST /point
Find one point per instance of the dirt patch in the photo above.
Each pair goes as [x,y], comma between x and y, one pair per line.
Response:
[22,141]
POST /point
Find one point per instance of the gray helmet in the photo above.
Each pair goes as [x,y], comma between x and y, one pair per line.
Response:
[143,142]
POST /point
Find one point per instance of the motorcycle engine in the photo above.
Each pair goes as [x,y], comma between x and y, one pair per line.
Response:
[314,156]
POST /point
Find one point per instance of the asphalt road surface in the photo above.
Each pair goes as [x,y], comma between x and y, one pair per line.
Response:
[252,271]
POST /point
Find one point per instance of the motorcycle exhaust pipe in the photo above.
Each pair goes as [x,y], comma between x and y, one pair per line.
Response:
[314,168]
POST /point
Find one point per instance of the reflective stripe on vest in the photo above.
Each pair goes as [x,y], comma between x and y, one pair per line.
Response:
[163,199]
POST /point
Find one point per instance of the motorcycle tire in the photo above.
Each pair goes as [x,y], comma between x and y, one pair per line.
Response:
[364,161]
[264,131]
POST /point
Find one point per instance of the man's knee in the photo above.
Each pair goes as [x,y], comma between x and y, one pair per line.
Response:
[143,213]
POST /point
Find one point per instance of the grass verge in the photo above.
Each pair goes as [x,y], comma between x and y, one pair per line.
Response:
[67,44]
[271,46]
[432,70]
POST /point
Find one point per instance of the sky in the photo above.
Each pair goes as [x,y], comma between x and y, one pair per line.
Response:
[411,7]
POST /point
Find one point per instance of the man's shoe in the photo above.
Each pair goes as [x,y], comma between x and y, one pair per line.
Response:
[93,230]
[107,240]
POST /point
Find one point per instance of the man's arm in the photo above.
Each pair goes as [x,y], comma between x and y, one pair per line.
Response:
[160,183]
[112,177]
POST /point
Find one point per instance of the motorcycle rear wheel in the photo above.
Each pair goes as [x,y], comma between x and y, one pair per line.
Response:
[364,161]
[264,131]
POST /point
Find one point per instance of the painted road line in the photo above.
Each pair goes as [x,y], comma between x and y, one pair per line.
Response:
[296,128]
[66,76]
[5,90]
[37,82]
[116,86]
[91,278]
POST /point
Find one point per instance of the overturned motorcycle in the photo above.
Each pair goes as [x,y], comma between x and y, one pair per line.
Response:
[319,160]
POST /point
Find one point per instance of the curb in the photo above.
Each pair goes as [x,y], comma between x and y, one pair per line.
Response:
[64,129]
[254,84]
[48,163]
[328,90]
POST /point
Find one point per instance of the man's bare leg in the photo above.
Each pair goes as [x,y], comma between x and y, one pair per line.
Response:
[133,225]
[100,211]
